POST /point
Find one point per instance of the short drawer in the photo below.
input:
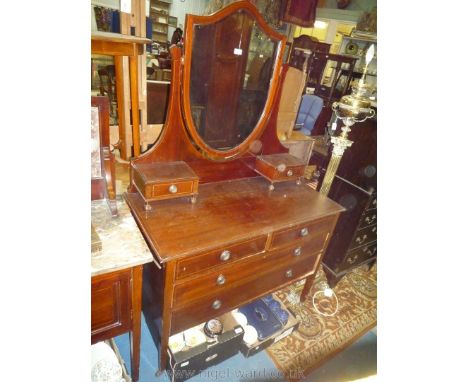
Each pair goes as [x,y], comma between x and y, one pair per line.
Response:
[220,256]
[172,189]
[232,275]
[359,255]
[289,173]
[279,167]
[369,218]
[217,304]
[316,230]
[364,236]
[110,305]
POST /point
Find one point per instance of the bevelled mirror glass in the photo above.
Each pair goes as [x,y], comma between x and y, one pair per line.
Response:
[232,64]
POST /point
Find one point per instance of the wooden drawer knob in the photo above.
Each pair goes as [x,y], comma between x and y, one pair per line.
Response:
[298,251]
[216,304]
[304,232]
[220,280]
[225,255]
[172,188]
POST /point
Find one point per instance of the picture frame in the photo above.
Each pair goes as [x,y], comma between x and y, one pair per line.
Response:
[172,21]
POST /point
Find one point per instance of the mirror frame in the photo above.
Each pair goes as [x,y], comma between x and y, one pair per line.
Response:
[198,141]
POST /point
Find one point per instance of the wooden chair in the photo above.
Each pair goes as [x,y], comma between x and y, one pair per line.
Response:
[102,160]
[107,85]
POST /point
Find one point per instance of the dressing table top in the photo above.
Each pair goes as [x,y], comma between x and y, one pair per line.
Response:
[227,211]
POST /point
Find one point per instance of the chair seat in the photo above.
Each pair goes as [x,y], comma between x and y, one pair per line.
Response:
[309,110]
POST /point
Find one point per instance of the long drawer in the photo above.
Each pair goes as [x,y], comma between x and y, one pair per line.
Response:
[231,275]
[215,305]
[300,233]
[368,218]
[364,236]
[359,255]
[224,255]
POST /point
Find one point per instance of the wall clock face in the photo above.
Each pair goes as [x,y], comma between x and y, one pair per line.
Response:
[351,48]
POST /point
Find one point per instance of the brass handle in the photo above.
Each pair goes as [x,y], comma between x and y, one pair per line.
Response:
[352,260]
[225,255]
[297,251]
[172,188]
[216,304]
[220,280]
[289,173]
[360,240]
[304,232]
[370,252]
[289,273]
[370,220]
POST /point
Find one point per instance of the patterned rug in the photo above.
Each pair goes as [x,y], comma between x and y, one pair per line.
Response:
[320,337]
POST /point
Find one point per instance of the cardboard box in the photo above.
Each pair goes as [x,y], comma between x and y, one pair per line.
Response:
[286,330]
[189,362]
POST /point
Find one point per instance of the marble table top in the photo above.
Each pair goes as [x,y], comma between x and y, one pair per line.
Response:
[123,245]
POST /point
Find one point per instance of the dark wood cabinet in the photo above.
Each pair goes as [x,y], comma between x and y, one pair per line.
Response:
[110,305]
[354,242]
[116,309]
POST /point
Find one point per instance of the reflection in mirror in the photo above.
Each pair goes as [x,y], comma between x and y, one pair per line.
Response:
[231,69]
[103,82]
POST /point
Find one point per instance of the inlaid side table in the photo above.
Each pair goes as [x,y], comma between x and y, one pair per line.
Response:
[116,277]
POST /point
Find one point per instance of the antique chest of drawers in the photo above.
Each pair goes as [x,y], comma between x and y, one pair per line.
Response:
[355,240]
[239,242]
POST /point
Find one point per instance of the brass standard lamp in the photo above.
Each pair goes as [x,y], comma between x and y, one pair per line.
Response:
[350,109]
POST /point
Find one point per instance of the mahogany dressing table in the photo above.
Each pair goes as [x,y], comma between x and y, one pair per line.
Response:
[240,238]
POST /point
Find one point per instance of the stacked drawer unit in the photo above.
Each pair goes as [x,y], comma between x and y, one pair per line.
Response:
[354,242]
[239,242]
[215,282]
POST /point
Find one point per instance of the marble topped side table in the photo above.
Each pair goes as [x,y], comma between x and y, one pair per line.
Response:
[116,277]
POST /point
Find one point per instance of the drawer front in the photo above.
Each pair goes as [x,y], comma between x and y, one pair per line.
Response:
[110,305]
[317,230]
[289,173]
[273,174]
[221,256]
[369,218]
[364,236]
[359,255]
[172,189]
[217,304]
[232,275]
